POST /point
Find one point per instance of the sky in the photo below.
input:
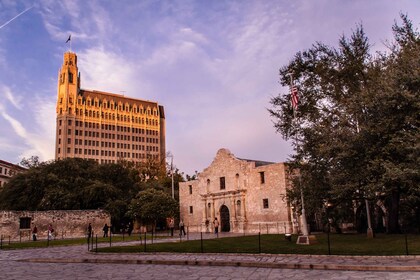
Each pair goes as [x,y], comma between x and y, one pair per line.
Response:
[213,64]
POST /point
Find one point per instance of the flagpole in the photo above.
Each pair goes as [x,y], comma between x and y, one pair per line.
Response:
[304,226]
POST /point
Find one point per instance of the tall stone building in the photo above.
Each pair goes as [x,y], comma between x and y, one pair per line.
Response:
[244,195]
[105,126]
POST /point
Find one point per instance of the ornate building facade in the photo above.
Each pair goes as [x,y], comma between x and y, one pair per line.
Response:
[103,126]
[8,170]
[244,195]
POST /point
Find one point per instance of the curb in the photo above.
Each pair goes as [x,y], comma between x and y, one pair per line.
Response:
[310,266]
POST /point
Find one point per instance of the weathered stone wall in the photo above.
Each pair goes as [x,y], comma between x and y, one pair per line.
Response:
[243,196]
[66,223]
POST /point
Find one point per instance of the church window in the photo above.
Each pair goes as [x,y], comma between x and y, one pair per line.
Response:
[59,122]
[68,140]
[59,132]
[69,131]
[262,178]
[191,210]
[70,77]
[265,203]
[190,188]
[68,150]
[222,183]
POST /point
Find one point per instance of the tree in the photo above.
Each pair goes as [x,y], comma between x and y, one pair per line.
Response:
[356,129]
[33,161]
[71,184]
[152,205]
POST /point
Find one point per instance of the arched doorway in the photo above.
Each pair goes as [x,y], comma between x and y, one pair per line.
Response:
[224,219]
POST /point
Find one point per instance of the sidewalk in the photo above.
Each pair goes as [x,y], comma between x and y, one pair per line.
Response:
[79,254]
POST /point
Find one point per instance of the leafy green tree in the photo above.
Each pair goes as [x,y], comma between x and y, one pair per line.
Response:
[356,130]
[152,205]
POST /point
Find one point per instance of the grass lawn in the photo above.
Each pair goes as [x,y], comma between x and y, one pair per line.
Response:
[340,244]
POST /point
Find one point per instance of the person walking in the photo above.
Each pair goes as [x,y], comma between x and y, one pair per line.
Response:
[181,228]
[106,229]
[172,225]
[89,230]
[216,226]
[50,231]
[34,233]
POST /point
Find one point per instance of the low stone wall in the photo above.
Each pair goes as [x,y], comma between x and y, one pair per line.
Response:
[17,225]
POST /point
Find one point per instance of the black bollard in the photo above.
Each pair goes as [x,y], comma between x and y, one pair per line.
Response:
[145,241]
[201,235]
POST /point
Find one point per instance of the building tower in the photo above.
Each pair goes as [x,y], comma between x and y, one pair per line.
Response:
[103,126]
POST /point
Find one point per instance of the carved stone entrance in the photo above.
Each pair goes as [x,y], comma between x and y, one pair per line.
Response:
[224,219]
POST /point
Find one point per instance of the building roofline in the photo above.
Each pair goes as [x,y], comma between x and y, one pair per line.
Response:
[12,164]
[116,95]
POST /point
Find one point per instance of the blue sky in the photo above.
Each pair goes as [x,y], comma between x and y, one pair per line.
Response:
[213,64]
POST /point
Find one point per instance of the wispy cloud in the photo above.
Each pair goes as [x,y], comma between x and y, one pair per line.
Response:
[16,125]
[13,98]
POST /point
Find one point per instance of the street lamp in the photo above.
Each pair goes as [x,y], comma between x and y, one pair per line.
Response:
[172,173]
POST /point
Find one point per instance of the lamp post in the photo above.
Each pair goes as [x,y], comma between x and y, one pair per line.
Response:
[172,174]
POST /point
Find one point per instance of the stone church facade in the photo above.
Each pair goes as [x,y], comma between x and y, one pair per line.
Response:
[244,195]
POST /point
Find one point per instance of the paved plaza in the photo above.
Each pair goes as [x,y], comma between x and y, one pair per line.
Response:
[75,262]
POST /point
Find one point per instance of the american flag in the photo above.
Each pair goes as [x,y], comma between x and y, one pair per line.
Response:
[294,97]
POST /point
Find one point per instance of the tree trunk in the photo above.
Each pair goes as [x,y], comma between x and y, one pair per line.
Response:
[393,225]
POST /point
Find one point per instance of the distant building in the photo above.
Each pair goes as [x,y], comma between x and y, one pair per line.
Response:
[8,170]
[105,126]
[244,195]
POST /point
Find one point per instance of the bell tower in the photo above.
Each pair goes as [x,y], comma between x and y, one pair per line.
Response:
[68,88]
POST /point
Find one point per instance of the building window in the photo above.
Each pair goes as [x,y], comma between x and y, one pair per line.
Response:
[190,187]
[262,178]
[265,203]
[191,209]
[25,223]
[222,183]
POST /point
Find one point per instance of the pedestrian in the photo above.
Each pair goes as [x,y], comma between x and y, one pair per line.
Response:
[172,225]
[216,226]
[181,228]
[106,229]
[89,230]
[34,233]
[50,231]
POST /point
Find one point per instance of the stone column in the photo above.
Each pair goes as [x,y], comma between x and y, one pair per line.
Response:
[212,213]
[204,212]
[243,207]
